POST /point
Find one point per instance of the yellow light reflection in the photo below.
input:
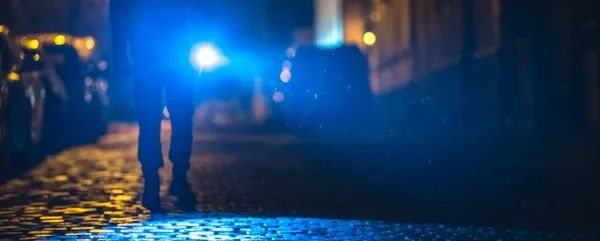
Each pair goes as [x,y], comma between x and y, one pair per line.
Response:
[61,178]
[36,57]
[122,198]
[78,210]
[369,38]
[113,212]
[53,221]
[101,231]
[120,220]
[82,228]
[117,191]
[60,40]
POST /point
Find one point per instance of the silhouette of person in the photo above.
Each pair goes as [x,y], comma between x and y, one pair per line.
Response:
[152,32]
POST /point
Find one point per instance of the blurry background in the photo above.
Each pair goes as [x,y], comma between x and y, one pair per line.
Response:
[498,101]
[445,64]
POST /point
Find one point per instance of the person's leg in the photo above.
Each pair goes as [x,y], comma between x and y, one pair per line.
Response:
[180,102]
[148,102]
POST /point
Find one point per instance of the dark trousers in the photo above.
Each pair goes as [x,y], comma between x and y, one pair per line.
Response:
[179,95]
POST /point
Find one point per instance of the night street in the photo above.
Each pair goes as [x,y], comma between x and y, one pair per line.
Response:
[267,188]
[312,120]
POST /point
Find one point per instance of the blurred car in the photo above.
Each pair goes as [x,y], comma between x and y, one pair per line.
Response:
[73,59]
[36,64]
[225,85]
[324,89]
[22,105]
[275,86]
[9,62]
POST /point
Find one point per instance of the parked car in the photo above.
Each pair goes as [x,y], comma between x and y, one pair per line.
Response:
[86,87]
[22,106]
[326,90]
[37,62]
[9,61]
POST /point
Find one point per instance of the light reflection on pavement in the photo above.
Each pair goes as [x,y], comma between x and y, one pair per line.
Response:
[92,192]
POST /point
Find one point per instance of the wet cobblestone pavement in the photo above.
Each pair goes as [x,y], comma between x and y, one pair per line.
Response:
[254,193]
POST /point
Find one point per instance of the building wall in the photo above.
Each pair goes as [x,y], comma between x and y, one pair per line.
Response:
[329,24]
[354,12]
[487,64]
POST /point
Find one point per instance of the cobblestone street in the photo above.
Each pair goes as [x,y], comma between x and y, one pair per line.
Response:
[255,187]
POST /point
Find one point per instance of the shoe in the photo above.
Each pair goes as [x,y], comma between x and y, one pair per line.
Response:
[186,202]
[151,197]
[153,204]
[180,188]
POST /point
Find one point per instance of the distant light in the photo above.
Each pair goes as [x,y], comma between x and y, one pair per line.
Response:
[36,57]
[205,56]
[88,81]
[278,97]
[60,40]
[369,38]
[285,75]
[90,43]
[166,112]
[12,76]
[102,65]
[290,52]
[375,16]
[287,64]
[103,84]
[33,44]
[2,29]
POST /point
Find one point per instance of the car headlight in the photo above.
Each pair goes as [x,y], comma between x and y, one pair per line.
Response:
[206,57]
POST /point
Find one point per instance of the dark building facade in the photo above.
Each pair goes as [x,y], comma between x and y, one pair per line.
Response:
[487,65]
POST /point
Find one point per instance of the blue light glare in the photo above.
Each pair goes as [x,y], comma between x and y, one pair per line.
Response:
[206,57]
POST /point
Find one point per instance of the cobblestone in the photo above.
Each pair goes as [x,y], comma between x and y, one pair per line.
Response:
[256,193]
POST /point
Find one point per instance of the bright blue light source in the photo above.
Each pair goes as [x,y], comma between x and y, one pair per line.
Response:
[206,57]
